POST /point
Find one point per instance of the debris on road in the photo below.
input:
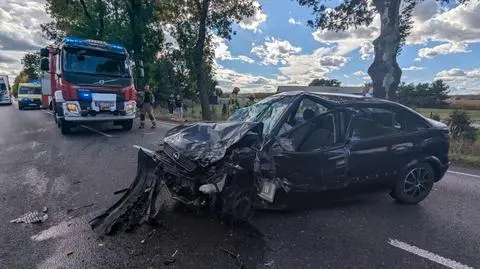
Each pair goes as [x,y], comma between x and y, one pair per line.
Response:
[69,253]
[80,207]
[45,209]
[239,261]
[120,191]
[31,217]
[171,259]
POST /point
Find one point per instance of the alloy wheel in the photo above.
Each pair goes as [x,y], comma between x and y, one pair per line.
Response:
[418,182]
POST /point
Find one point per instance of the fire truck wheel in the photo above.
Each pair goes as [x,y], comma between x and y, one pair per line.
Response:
[65,127]
[127,125]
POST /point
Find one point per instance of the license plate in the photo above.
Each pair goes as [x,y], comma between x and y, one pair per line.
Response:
[104,106]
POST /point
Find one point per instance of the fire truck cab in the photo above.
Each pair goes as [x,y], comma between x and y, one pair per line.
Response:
[88,80]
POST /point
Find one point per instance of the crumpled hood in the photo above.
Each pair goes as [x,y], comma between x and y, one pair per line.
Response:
[208,142]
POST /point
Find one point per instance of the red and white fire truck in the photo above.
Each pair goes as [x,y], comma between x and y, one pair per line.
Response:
[88,80]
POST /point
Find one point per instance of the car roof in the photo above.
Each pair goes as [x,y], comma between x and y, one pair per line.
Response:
[340,98]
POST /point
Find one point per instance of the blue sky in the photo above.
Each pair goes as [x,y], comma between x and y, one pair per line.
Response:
[283,50]
[275,47]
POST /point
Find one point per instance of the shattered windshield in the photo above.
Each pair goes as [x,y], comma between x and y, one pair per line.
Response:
[268,111]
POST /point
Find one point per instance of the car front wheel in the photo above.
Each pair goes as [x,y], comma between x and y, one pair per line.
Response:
[415,184]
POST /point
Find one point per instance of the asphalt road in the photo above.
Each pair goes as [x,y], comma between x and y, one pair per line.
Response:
[75,177]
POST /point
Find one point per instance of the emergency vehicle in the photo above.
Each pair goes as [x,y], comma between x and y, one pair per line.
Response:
[89,81]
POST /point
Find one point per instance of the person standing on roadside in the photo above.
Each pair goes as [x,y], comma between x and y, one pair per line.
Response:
[233,103]
[179,107]
[171,105]
[146,107]
[251,100]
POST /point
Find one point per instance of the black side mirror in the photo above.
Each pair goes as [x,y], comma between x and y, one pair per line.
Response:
[44,64]
[44,52]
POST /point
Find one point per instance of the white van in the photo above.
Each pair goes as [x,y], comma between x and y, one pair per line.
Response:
[5,91]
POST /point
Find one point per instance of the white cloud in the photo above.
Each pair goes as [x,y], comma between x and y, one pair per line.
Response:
[294,22]
[302,69]
[361,74]
[418,59]
[20,32]
[222,51]
[274,51]
[228,79]
[253,23]
[443,49]
[366,50]
[350,39]
[413,68]
[459,24]
[458,74]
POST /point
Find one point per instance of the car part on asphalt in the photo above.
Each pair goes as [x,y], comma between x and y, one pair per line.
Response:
[31,217]
[288,143]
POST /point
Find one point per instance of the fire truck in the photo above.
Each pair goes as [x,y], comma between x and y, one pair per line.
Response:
[88,81]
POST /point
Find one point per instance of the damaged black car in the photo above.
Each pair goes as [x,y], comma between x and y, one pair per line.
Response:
[294,142]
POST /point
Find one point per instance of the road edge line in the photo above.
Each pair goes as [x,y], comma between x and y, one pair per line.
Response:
[463,174]
[427,255]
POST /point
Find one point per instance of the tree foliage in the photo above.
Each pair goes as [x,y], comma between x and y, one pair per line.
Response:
[460,125]
[132,23]
[425,95]
[396,24]
[206,17]
[325,82]
[31,65]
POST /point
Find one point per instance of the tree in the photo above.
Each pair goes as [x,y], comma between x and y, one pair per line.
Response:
[425,95]
[133,23]
[31,66]
[460,125]
[396,23]
[325,82]
[207,16]
[22,77]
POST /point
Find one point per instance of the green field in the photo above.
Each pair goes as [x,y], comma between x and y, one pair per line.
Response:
[475,114]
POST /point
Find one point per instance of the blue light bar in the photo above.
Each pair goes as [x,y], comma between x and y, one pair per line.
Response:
[93,43]
[36,82]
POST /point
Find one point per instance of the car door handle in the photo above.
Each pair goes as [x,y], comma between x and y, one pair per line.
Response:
[402,147]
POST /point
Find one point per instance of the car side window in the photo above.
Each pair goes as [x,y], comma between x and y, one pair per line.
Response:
[377,122]
[307,110]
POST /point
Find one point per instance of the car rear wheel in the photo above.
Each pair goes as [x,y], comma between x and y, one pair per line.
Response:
[415,184]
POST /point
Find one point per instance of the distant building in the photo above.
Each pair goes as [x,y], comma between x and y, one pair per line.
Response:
[341,89]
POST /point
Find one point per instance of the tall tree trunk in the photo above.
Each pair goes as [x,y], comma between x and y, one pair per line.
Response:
[384,71]
[134,13]
[198,60]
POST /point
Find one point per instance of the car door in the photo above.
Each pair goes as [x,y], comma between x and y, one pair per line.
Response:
[315,158]
[377,143]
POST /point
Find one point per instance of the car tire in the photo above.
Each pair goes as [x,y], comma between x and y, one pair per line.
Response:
[65,127]
[415,184]
[127,125]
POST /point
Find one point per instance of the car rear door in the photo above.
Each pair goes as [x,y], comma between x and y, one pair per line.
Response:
[378,144]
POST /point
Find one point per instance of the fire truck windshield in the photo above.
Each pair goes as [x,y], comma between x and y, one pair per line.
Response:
[96,62]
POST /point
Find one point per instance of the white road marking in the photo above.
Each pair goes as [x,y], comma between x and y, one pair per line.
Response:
[149,151]
[96,131]
[428,255]
[148,133]
[463,174]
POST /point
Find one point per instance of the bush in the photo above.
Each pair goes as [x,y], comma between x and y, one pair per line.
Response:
[460,125]
[435,116]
